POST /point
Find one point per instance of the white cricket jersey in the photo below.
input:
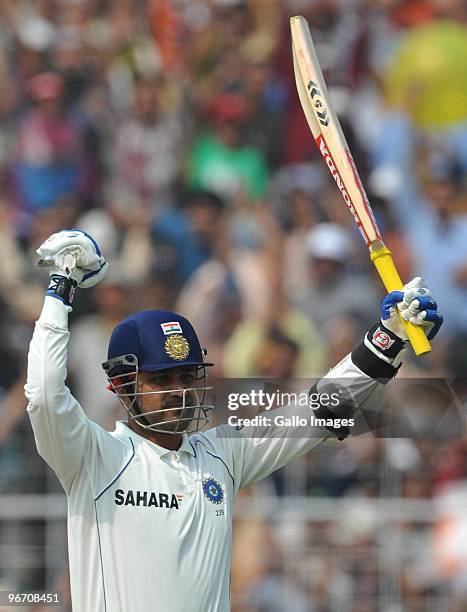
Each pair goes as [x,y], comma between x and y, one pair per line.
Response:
[149,530]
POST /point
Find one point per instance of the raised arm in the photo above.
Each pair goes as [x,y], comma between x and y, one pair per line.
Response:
[253,453]
[61,429]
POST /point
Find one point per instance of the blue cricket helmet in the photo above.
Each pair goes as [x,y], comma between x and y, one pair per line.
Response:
[159,339]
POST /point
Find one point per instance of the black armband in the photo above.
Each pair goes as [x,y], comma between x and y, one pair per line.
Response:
[343,410]
[384,343]
[62,288]
[341,433]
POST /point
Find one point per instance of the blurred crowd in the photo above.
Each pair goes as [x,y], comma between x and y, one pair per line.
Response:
[171,131]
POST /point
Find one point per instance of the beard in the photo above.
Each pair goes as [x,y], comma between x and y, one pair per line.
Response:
[172,417]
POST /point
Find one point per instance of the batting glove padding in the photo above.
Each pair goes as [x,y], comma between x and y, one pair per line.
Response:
[75,255]
[415,304]
[383,348]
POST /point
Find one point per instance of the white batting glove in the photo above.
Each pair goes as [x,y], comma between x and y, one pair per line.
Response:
[387,339]
[75,255]
[415,304]
[73,260]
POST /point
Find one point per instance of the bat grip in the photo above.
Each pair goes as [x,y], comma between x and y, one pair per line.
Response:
[382,258]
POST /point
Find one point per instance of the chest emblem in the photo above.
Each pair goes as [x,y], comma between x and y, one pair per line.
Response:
[213,490]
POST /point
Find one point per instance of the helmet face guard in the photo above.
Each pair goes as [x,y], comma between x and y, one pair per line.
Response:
[122,374]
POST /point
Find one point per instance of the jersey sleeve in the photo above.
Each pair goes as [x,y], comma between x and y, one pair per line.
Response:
[266,449]
[65,438]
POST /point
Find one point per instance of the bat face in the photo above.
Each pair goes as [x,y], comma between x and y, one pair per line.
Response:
[332,145]
[340,183]
[327,132]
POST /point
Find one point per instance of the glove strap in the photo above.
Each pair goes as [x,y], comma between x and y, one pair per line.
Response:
[380,354]
[382,340]
[62,288]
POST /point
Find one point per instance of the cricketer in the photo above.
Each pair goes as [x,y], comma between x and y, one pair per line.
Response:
[150,506]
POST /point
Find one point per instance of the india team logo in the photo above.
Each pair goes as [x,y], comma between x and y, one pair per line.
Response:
[213,490]
[176,346]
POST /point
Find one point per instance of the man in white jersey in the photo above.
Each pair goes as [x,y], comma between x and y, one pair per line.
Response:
[149,507]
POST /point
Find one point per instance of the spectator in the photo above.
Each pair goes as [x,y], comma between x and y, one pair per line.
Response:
[426,196]
[428,75]
[331,290]
[146,153]
[48,164]
[220,161]
[187,235]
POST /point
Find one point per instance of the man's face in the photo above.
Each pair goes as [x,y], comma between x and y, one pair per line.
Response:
[324,272]
[146,101]
[171,382]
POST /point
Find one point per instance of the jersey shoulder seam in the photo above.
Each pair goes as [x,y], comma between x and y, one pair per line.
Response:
[213,455]
[120,472]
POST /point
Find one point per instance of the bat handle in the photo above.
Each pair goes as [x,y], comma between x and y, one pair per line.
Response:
[382,258]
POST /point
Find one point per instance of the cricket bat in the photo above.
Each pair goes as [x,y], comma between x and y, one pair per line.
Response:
[332,145]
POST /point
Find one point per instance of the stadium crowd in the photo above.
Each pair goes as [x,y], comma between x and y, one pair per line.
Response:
[171,131]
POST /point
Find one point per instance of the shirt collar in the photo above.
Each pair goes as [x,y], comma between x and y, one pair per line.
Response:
[122,428]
